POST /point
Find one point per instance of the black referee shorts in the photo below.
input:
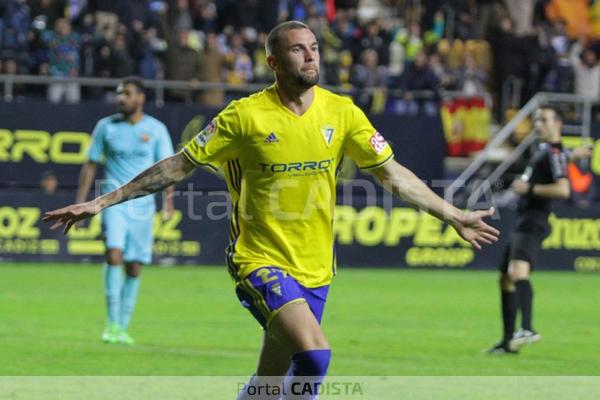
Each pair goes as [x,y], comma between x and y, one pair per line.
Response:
[526,242]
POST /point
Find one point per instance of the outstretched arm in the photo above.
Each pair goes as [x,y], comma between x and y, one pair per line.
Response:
[406,185]
[561,189]
[159,176]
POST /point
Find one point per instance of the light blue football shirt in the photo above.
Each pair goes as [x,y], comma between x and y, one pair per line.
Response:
[127,149]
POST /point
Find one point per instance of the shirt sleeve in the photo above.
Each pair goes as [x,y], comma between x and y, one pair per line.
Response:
[558,163]
[218,142]
[364,144]
[96,150]
[164,146]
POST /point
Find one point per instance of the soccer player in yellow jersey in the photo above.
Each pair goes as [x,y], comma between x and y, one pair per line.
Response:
[280,150]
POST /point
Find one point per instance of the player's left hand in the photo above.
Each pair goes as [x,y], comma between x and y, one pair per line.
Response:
[474,230]
[520,187]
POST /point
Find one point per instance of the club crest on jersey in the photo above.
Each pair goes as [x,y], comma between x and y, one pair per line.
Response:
[327,132]
[204,136]
[145,137]
[377,142]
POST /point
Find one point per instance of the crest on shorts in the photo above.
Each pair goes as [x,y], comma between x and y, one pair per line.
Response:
[327,132]
[208,132]
[276,288]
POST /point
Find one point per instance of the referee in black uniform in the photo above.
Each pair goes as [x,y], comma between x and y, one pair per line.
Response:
[544,179]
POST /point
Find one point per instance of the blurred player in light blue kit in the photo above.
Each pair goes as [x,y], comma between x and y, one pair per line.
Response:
[126,143]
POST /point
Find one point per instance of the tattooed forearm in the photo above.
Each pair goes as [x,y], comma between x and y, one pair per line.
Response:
[155,178]
[159,176]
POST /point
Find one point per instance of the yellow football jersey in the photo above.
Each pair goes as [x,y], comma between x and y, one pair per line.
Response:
[281,172]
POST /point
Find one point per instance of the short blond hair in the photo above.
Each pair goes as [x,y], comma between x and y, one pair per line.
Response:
[273,42]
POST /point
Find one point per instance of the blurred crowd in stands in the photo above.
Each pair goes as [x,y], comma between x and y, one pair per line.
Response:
[403,46]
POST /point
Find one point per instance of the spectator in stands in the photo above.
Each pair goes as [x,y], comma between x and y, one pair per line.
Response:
[123,64]
[418,76]
[586,69]
[49,182]
[410,40]
[368,74]
[344,67]
[396,64]
[106,15]
[557,35]
[180,18]
[543,59]
[183,63]
[63,59]
[103,62]
[10,66]
[148,65]
[470,78]
[551,58]
[88,45]
[374,38]
[212,65]
[344,29]
[239,63]
[440,70]
[511,54]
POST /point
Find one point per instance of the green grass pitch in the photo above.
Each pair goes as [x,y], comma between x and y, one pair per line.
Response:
[379,322]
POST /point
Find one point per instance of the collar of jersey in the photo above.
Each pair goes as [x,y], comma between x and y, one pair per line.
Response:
[122,119]
[277,101]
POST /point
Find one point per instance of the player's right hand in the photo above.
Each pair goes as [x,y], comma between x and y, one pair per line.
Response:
[69,215]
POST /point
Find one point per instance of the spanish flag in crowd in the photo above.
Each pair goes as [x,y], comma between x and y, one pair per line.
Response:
[466,122]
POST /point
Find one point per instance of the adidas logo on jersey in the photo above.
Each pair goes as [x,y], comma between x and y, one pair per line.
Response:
[271,138]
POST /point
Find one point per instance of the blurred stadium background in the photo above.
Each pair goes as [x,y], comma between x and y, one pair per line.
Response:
[450,83]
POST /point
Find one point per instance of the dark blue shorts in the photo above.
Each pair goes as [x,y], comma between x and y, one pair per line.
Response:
[268,289]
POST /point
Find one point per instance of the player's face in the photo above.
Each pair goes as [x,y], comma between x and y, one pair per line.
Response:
[546,124]
[298,61]
[129,99]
